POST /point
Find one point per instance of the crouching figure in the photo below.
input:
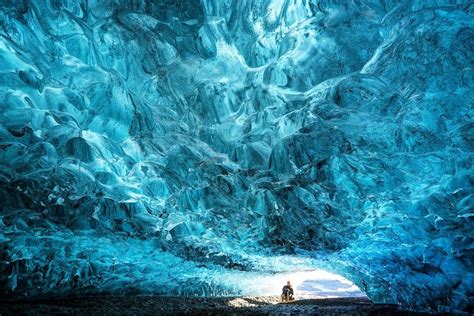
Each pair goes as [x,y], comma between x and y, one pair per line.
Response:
[288,293]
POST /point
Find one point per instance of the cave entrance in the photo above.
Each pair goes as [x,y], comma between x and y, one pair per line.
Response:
[313,284]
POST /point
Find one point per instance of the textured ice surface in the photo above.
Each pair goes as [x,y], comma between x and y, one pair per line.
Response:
[188,147]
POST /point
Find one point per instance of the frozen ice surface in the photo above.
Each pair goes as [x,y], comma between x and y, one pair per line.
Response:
[192,147]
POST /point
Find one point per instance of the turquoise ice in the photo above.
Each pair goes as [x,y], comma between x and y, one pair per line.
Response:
[193,147]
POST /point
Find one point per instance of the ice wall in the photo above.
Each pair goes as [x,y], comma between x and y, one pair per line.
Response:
[187,147]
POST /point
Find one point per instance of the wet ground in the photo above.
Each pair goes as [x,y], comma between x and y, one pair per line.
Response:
[154,305]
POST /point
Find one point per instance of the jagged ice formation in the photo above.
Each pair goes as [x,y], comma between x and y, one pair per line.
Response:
[194,148]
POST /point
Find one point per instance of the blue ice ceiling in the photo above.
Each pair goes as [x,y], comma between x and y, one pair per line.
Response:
[189,148]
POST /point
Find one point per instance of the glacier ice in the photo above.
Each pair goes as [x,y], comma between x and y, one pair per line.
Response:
[189,147]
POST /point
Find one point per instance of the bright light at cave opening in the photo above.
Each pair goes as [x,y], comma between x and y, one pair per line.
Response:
[309,284]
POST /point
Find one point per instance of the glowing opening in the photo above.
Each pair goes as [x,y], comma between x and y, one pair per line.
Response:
[310,284]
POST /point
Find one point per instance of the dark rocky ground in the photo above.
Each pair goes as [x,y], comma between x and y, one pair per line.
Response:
[155,305]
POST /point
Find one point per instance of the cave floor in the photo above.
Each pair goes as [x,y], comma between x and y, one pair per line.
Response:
[159,305]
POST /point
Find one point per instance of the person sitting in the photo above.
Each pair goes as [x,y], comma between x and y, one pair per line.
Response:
[288,293]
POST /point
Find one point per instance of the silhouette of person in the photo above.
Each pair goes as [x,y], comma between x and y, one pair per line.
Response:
[288,292]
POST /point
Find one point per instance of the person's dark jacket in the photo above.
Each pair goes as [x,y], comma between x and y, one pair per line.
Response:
[287,290]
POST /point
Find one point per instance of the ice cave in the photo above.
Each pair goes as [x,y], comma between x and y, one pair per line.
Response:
[192,147]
